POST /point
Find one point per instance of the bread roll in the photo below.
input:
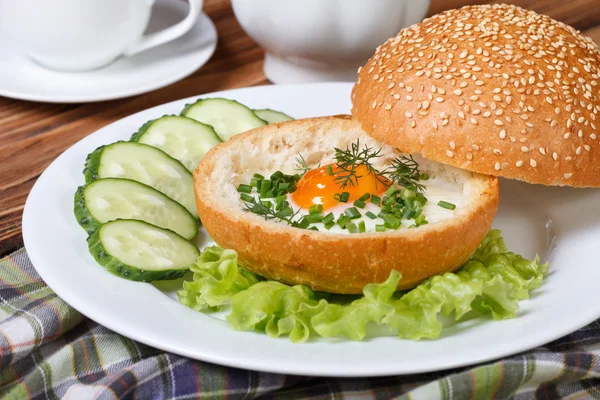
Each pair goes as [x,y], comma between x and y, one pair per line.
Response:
[326,260]
[493,89]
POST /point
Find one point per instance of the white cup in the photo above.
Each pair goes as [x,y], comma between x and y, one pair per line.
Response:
[79,35]
[323,40]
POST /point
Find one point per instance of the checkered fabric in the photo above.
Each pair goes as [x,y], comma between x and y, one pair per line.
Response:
[48,350]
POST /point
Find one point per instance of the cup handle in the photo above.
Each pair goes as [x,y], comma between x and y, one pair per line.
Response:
[171,33]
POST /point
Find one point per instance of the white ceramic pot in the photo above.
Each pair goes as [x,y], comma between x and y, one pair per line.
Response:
[323,40]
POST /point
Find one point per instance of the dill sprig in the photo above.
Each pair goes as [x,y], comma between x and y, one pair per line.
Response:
[258,207]
[348,161]
[404,171]
[301,164]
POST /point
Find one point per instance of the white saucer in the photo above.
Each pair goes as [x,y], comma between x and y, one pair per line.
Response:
[22,78]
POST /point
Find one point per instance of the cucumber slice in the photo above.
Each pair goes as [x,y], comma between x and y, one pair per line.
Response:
[227,117]
[145,164]
[272,116]
[108,199]
[184,139]
[139,251]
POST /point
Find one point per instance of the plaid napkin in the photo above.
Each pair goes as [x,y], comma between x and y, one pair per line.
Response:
[51,351]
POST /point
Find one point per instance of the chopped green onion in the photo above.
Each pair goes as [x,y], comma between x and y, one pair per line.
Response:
[409,204]
[371,215]
[420,220]
[329,170]
[391,221]
[304,223]
[266,203]
[246,197]
[280,198]
[317,208]
[329,218]
[382,214]
[255,182]
[407,194]
[314,217]
[292,188]
[286,212]
[328,225]
[446,205]
[313,228]
[342,221]
[359,204]
[352,213]
[364,197]
[265,187]
[244,188]
[276,175]
[361,227]
[351,226]
[283,186]
[344,196]
[375,200]
[391,190]
[424,177]
[408,214]
[282,204]
[379,228]
[259,176]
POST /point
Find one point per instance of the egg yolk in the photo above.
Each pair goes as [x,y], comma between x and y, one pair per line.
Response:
[318,187]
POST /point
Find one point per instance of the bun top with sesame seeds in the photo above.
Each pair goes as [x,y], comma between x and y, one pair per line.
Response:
[493,89]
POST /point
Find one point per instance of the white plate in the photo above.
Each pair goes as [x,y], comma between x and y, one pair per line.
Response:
[529,216]
[22,78]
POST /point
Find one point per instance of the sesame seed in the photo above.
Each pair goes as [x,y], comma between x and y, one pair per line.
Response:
[555,156]
[524,149]
[452,145]
[449,153]
[568,175]
[498,122]
[532,163]
[469,155]
[502,134]
[519,163]
[497,166]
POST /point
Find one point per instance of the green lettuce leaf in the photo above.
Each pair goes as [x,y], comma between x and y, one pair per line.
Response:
[493,282]
[216,278]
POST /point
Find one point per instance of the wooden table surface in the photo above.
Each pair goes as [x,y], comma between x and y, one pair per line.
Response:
[33,134]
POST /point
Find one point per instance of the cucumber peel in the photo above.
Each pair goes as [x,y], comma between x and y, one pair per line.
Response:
[272,116]
[140,251]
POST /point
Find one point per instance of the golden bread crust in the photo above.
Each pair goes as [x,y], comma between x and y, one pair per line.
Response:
[493,89]
[331,262]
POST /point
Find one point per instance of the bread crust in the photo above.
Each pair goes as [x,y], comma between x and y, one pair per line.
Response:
[493,89]
[331,262]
